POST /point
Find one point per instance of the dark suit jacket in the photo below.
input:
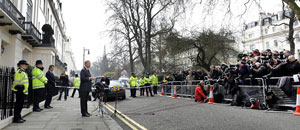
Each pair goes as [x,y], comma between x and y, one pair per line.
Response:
[85,82]
[107,81]
[51,79]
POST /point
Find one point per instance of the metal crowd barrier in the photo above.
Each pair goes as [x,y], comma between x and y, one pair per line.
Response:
[250,88]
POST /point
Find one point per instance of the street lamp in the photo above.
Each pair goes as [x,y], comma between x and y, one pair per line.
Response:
[88,50]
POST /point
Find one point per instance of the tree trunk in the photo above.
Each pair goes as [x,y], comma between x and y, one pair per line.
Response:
[291,33]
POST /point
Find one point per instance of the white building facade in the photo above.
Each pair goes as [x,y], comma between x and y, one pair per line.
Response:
[269,33]
[34,30]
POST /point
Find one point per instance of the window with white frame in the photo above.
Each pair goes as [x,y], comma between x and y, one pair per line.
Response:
[273,29]
[267,45]
[252,47]
[275,43]
[251,35]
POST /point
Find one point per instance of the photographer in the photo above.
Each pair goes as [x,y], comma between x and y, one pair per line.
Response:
[258,70]
[213,73]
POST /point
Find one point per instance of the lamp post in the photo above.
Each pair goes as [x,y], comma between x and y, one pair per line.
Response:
[88,50]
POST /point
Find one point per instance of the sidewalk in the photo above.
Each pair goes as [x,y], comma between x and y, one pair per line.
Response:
[66,116]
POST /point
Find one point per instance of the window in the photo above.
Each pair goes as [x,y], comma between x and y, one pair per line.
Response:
[297,38]
[252,47]
[273,29]
[275,43]
[296,23]
[266,21]
[267,45]
[250,35]
[29,11]
[274,18]
[266,31]
[286,26]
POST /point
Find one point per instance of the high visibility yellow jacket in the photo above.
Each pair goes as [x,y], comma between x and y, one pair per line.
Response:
[142,82]
[133,81]
[20,79]
[76,82]
[38,78]
[147,80]
[165,81]
[154,80]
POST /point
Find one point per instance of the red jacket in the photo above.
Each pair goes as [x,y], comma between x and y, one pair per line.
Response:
[199,95]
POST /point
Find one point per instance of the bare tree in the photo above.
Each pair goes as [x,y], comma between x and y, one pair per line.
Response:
[142,18]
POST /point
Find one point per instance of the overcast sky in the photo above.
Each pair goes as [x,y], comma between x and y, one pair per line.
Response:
[86,23]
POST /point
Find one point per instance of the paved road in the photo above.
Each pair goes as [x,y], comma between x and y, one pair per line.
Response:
[157,113]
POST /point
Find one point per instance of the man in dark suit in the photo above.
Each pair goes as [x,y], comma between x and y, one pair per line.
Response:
[50,87]
[85,88]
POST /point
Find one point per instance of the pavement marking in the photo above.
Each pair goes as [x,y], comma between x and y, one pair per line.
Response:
[126,117]
[122,119]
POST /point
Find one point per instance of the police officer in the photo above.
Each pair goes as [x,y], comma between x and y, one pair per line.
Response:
[154,81]
[76,84]
[38,85]
[20,88]
[141,83]
[147,84]
[133,84]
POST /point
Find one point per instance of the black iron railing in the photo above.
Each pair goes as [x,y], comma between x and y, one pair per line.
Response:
[11,10]
[6,95]
[33,31]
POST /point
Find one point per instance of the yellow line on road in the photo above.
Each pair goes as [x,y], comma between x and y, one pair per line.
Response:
[122,119]
[129,119]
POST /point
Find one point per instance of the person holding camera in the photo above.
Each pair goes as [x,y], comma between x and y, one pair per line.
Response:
[258,70]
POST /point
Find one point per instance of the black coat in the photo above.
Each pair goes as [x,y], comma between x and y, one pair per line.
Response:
[64,79]
[107,81]
[51,80]
[85,82]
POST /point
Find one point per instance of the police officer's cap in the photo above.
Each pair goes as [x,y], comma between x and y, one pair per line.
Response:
[22,62]
[38,62]
[76,75]
[132,73]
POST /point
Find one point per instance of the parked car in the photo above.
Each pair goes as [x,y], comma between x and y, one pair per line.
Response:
[124,82]
[115,88]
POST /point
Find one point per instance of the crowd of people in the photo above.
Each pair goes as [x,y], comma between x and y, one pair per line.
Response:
[256,64]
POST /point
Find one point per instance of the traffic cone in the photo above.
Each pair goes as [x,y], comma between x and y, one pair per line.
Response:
[297,112]
[175,94]
[211,96]
[162,93]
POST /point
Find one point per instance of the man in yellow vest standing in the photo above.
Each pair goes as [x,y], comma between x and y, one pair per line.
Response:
[147,84]
[133,85]
[20,88]
[154,81]
[38,85]
[76,84]
[142,88]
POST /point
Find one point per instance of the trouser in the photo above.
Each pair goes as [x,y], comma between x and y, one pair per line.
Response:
[154,89]
[20,96]
[142,91]
[83,102]
[149,90]
[49,94]
[74,91]
[65,90]
[133,92]
[38,95]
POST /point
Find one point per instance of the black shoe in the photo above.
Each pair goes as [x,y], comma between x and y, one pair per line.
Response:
[18,121]
[41,109]
[36,110]
[23,120]
[48,107]
[88,114]
[85,115]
